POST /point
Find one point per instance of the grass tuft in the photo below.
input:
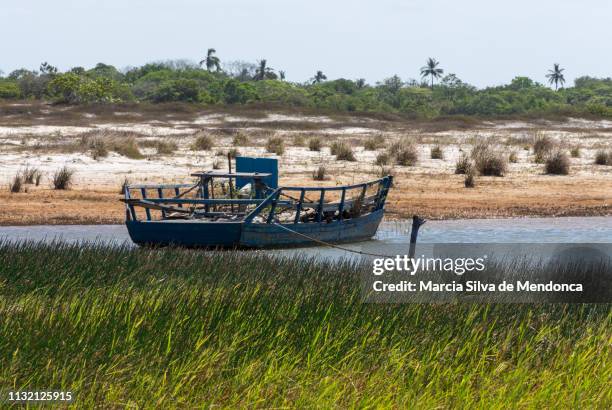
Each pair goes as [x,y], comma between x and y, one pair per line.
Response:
[343,151]
[314,144]
[202,142]
[319,174]
[62,179]
[437,153]
[275,145]
[603,158]
[557,163]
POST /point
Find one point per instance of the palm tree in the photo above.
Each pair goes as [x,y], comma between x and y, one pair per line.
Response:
[431,69]
[281,75]
[211,60]
[555,76]
[319,77]
[264,72]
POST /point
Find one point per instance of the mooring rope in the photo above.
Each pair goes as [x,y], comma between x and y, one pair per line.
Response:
[331,245]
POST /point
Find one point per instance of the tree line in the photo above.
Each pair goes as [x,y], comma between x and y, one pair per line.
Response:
[212,83]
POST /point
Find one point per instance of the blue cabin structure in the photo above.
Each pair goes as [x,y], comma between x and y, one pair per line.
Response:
[213,213]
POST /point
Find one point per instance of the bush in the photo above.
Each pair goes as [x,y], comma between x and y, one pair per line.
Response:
[127,147]
[404,154]
[557,163]
[603,158]
[165,147]
[202,143]
[437,153]
[319,174]
[275,145]
[463,165]
[488,162]
[382,158]
[240,140]
[16,185]
[62,179]
[31,176]
[542,147]
[374,143]
[314,144]
[513,157]
[98,148]
[342,151]
[575,152]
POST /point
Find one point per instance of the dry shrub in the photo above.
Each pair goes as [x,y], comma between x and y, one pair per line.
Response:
[319,174]
[383,158]
[575,152]
[437,153]
[275,145]
[216,164]
[98,148]
[166,147]
[557,163]
[126,147]
[404,153]
[314,144]
[62,179]
[202,143]
[463,165]
[298,141]
[542,147]
[487,161]
[31,176]
[342,151]
[240,140]
[603,158]
[385,171]
[513,157]
[374,143]
[16,184]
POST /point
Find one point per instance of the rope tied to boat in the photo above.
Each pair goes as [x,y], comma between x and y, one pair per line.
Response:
[331,245]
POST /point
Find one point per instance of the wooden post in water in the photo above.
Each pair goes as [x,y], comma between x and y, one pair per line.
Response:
[231,188]
[417,222]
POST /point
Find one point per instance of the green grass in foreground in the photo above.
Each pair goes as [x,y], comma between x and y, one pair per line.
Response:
[177,328]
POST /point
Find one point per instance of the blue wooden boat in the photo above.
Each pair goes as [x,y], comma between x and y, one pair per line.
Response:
[214,213]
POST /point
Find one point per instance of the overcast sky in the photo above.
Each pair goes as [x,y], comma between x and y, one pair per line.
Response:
[484,42]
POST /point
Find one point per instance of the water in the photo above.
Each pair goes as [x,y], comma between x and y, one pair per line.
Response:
[392,234]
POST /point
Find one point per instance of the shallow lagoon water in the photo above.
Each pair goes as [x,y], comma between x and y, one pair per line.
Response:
[391,234]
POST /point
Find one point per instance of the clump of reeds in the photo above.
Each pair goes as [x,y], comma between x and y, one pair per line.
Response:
[374,143]
[487,161]
[62,178]
[557,163]
[542,147]
[275,145]
[383,158]
[436,152]
[575,152]
[202,142]
[16,184]
[404,153]
[319,174]
[32,176]
[126,147]
[603,158]
[343,151]
[314,144]
[463,164]
[240,140]
[98,148]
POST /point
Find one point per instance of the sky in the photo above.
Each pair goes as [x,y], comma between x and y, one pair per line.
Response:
[483,42]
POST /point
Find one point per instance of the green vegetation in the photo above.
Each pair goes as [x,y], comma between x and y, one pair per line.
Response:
[177,328]
[214,83]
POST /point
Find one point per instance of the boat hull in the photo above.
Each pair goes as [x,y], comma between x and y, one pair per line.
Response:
[252,235]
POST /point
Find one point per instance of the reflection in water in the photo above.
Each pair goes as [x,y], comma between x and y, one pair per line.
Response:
[391,234]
